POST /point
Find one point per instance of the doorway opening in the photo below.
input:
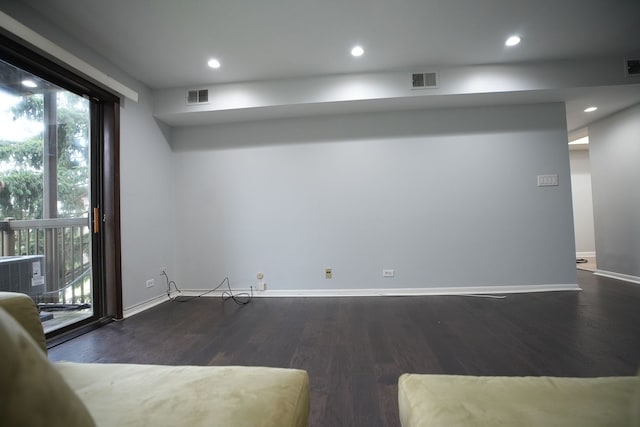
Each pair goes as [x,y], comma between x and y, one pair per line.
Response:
[582,201]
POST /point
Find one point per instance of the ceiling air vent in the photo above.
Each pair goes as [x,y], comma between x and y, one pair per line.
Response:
[632,67]
[199,96]
[424,80]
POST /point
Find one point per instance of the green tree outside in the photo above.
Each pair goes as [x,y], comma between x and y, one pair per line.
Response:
[22,167]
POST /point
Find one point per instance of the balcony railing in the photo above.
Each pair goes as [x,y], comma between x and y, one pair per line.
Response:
[66,246]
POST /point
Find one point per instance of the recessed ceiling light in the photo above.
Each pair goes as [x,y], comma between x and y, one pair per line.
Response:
[213,63]
[590,109]
[29,83]
[512,41]
[357,51]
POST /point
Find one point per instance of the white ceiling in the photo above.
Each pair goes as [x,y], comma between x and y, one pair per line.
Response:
[166,43]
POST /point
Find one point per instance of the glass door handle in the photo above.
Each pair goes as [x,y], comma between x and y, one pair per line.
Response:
[96,220]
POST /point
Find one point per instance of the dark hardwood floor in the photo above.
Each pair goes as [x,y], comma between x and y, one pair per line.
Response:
[354,349]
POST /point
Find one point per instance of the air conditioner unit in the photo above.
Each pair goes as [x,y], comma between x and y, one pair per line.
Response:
[24,274]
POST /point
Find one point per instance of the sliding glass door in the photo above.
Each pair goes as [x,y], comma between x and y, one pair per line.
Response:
[56,182]
[45,177]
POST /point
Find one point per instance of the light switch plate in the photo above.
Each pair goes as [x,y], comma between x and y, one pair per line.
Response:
[547,180]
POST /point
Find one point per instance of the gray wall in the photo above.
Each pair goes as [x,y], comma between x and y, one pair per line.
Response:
[444,197]
[147,211]
[582,202]
[615,178]
[147,202]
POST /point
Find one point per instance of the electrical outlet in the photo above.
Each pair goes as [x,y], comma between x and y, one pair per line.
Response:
[328,273]
[163,270]
[388,273]
[150,283]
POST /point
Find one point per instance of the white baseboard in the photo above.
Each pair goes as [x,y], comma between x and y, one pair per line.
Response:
[585,254]
[618,276]
[145,305]
[390,292]
[449,290]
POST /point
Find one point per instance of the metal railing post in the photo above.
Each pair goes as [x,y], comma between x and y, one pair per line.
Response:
[51,258]
[8,238]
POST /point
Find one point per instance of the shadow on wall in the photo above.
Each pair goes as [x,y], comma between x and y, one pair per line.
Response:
[369,126]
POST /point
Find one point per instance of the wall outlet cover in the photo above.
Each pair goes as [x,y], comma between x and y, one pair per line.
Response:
[547,180]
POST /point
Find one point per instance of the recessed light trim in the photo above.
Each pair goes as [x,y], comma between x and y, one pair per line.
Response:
[213,63]
[590,109]
[357,51]
[29,83]
[512,41]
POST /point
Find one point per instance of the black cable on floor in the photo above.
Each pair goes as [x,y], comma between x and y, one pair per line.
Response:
[239,299]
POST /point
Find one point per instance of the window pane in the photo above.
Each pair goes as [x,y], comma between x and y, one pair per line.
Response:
[44,196]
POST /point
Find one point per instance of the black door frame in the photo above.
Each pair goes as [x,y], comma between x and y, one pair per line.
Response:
[105,180]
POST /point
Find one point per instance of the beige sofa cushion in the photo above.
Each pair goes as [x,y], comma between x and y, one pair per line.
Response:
[150,395]
[636,404]
[452,400]
[25,312]
[32,392]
